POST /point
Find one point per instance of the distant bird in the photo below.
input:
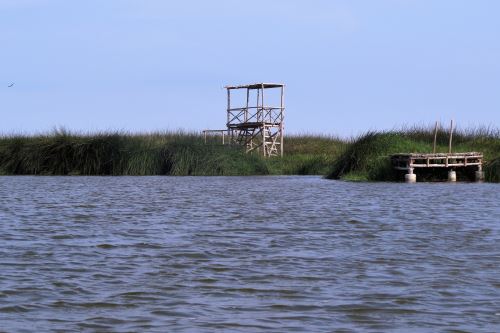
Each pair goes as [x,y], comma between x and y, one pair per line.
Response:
[11,85]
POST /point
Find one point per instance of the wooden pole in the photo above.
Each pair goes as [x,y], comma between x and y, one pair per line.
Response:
[451,137]
[262,104]
[435,138]
[282,111]
[246,111]
[228,105]
[263,125]
[231,139]
[257,106]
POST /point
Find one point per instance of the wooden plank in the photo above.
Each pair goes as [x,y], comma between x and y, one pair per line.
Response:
[266,85]
[416,155]
[442,165]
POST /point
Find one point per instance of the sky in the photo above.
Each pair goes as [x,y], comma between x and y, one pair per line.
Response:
[149,65]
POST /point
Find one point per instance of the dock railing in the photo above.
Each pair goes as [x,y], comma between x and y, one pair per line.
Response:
[210,133]
[439,160]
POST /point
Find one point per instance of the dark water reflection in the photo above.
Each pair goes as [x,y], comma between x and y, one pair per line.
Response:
[247,254]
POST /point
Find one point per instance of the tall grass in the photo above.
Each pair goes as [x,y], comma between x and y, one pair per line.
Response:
[307,154]
[63,153]
[162,153]
[367,157]
[183,153]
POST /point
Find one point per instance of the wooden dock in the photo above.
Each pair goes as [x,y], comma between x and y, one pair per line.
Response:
[451,161]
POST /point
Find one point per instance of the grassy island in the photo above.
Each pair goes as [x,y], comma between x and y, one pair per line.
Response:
[183,153]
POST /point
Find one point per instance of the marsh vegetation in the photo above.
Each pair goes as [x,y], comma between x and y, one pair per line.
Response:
[185,153]
[163,153]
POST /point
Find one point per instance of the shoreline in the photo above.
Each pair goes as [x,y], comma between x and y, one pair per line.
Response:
[365,158]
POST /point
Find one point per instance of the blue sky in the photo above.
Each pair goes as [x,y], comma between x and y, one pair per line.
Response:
[349,66]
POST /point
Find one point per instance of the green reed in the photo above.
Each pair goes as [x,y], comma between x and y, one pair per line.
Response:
[161,153]
[185,153]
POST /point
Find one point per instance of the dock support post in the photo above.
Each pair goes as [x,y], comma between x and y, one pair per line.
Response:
[452,176]
[410,177]
[479,173]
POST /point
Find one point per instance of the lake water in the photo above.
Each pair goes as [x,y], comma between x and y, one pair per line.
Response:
[247,254]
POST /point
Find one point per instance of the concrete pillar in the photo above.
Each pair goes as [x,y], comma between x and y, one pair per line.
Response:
[479,174]
[452,176]
[410,177]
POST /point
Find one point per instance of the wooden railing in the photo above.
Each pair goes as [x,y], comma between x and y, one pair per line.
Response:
[223,133]
[406,161]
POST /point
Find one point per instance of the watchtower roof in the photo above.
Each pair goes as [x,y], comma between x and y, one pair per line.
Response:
[257,86]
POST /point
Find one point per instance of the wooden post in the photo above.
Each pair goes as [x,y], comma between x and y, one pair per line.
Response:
[282,112]
[451,137]
[246,111]
[263,123]
[205,134]
[435,138]
[229,113]
[262,104]
[257,106]
[228,105]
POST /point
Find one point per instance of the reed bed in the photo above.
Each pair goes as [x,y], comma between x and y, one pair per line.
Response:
[181,153]
[161,153]
[307,154]
[176,153]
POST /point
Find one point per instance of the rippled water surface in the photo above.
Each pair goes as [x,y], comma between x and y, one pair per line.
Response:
[247,254]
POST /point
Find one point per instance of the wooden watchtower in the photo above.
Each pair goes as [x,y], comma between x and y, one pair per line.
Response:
[257,125]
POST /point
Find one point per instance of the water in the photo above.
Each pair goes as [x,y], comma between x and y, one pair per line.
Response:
[247,254]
